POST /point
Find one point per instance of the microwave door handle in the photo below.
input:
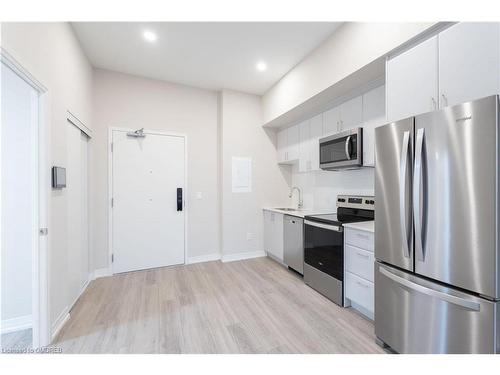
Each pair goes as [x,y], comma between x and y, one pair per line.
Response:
[417,178]
[347,150]
[402,192]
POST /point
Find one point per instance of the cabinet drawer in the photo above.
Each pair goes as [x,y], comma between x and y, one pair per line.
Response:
[359,238]
[359,262]
[359,290]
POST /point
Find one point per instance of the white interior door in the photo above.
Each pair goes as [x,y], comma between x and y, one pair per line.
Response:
[19,203]
[147,223]
[77,193]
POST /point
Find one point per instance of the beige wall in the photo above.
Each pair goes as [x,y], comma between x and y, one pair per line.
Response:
[243,136]
[51,53]
[126,101]
[352,46]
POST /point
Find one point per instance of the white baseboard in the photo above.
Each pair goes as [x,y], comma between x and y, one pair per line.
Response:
[101,272]
[203,258]
[59,323]
[242,256]
[277,260]
[16,324]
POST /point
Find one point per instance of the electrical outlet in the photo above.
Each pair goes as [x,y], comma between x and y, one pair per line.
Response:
[250,236]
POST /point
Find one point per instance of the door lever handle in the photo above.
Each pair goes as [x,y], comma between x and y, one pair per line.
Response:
[179,199]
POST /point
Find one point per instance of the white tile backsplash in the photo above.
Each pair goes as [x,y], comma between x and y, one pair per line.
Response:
[320,188]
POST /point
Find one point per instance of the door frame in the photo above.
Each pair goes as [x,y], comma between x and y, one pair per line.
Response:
[40,257]
[110,186]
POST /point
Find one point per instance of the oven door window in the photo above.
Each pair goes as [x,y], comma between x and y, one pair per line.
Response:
[336,150]
[324,250]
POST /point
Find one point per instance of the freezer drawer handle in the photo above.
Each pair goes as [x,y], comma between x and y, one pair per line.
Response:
[402,192]
[431,292]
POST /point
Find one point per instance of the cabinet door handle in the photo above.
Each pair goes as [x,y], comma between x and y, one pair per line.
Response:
[362,255]
[433,100]
[365,236]
[445,99]
[361,284]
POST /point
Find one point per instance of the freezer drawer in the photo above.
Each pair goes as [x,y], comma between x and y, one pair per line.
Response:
[414,315]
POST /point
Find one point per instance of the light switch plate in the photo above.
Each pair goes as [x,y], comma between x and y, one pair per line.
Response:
[199,195]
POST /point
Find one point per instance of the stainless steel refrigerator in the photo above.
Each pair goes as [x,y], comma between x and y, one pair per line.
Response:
[437,280]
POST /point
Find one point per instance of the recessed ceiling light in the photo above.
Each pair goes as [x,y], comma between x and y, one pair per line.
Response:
[149,36]
[261,66]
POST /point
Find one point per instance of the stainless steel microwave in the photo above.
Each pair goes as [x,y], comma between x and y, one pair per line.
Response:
[342,150]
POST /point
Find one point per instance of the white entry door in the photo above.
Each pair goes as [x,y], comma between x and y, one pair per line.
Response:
[147,201]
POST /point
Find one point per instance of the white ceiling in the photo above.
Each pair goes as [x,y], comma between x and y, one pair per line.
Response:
[209,55]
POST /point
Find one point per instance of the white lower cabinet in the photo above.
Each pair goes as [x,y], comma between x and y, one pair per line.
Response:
[359,268]
[273,234]
[359,261]
[361,293]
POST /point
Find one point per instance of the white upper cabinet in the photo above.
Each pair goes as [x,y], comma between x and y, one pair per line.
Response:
[316,131]
[282,145]
[469,62]
[310,132]
[412,81]
[345,116]
[293,142]
[331,121]
[304,146]
[373,116]
[351,113]
[288,145]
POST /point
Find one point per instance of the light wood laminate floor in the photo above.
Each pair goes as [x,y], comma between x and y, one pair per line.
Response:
[16,341]
[250,306]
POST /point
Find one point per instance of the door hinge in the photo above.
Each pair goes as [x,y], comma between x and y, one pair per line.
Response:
[112,146]
[112,202]
[112,258]
[44,231]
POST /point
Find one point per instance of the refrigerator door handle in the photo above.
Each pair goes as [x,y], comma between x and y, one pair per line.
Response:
[402,192]
[417,178]
[471,305]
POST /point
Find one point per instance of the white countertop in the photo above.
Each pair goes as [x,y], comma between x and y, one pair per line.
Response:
[368,226]
[298,213]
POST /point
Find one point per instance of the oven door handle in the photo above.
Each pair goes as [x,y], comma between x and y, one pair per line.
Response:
[335,228]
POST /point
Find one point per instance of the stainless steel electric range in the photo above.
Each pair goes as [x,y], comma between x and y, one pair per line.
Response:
[324,244]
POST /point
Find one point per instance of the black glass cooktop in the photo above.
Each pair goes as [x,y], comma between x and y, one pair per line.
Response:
[343,215]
